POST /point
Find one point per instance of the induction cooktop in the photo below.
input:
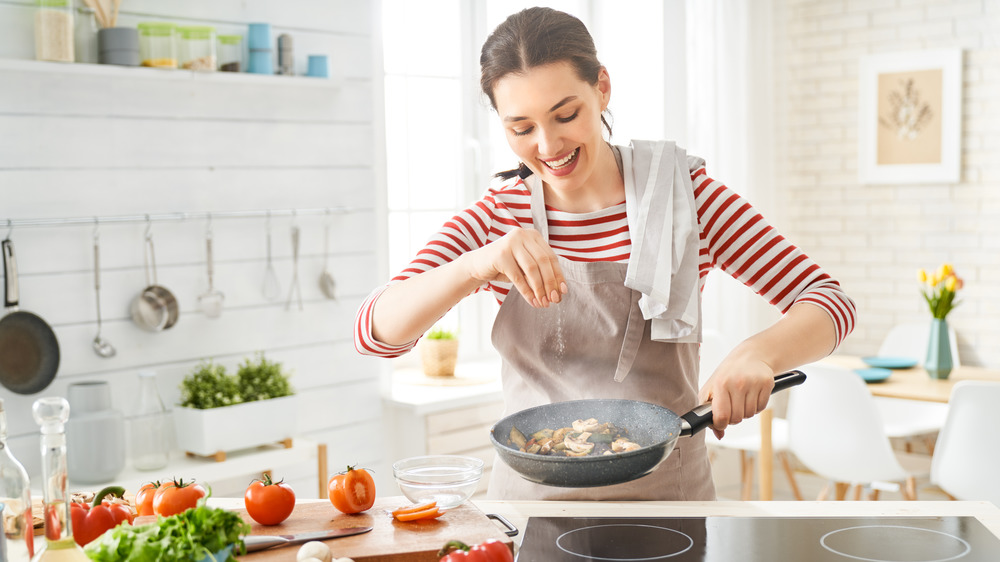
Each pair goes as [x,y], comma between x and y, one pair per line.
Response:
[758,539]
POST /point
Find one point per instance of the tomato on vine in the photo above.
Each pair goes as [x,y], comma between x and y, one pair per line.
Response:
[267,502]
[144,498]
[176,496]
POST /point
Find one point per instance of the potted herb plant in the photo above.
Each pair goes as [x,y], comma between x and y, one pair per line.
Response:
[439,352]
[219,412]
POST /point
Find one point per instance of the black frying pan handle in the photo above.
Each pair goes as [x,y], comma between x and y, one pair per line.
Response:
[701,417]
[10,293]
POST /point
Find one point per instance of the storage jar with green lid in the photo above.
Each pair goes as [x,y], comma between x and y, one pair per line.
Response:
[158,44]
[54,30]
[196,48]
[230,53]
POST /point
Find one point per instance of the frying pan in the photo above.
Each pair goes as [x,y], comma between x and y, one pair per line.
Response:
[650,425]
[29,351]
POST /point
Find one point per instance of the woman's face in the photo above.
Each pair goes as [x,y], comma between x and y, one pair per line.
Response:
[552,119]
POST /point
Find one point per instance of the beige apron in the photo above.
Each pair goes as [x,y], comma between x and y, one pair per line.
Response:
[595,344]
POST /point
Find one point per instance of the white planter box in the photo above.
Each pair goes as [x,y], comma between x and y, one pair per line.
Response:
[207,432]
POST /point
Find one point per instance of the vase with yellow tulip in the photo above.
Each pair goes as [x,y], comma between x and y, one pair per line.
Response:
[939,290]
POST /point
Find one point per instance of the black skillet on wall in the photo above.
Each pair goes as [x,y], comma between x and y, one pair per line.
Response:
[29,351]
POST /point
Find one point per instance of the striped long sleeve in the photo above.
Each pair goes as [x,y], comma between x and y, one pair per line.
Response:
[733,237]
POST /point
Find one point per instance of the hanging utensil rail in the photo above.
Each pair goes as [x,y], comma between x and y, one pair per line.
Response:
[175,217]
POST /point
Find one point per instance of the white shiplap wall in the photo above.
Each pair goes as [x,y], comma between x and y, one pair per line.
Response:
[91,140]
[875,237]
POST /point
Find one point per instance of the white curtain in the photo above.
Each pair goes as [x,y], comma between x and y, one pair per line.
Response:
[729,78]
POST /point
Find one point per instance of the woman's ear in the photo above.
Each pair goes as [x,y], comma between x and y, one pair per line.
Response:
[604,87]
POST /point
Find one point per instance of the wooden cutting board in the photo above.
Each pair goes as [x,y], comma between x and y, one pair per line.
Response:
[389,540]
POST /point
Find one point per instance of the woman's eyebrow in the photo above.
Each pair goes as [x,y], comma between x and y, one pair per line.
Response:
[561,103]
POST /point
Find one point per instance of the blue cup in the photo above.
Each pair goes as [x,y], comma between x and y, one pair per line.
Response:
[261,62]
[319,66]
[259,36]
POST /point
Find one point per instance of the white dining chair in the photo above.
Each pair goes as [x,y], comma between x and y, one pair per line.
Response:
[968,450]
[911,420]
[836,431]
[744,437]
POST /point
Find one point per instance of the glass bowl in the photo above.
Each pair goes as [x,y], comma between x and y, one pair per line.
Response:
[449,480]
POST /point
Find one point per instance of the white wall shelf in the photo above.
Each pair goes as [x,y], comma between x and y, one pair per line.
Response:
[112,70]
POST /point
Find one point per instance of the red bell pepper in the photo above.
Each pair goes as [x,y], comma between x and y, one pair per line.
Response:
[490,551]
[90,522]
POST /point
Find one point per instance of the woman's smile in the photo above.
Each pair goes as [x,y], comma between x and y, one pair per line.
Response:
[564,165]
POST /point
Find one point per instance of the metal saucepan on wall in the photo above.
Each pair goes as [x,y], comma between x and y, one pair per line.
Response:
[654,427]
[29,351]
[155,308]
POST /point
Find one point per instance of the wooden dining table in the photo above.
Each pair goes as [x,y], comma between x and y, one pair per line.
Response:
[912,384]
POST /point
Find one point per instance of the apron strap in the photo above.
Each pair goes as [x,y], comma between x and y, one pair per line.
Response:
[538,218]
[630,345]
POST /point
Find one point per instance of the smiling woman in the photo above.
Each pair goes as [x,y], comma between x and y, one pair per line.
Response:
[597,254]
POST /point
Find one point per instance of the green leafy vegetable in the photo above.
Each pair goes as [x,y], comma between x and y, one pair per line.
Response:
[191,535]
[210,386]
[262,380]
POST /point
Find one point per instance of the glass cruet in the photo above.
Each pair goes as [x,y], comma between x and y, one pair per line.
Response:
[149,426]
[51,414]
[15,494]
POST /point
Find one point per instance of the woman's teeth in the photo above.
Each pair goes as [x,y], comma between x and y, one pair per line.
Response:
[555,165]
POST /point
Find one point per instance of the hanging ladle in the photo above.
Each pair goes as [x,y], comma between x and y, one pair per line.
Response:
[211,300]
[294,289]
[272,287]
[327,283]
[101,346]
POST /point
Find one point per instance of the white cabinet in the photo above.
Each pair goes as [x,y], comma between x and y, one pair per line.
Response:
[432,419]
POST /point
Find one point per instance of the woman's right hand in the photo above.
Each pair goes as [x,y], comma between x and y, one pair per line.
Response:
[521,257]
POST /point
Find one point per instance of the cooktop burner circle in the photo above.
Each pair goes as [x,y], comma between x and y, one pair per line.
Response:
[624,542]
[895,543]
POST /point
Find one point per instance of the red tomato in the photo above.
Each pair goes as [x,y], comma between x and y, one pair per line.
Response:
[144,498]
[269,503]
[352,491]
[176,496]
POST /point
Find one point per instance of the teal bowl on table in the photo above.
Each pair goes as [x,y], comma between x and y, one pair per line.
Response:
[220,556]
[887,362]
[874,374]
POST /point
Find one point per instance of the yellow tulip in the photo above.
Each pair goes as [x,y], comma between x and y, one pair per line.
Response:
[946,269]
[922,276]
[951,283]
[934,280]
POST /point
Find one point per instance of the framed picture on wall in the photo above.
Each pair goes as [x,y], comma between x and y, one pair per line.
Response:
[910,108]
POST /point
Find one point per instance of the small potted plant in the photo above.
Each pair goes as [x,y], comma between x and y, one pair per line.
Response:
[439,352]
[220,412]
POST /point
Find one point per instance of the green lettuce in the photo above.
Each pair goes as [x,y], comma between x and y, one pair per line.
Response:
[195,534]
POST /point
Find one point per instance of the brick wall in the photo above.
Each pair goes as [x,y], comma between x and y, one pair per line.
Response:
[875,237]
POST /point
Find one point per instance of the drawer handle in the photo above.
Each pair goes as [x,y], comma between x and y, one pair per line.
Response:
[511,530]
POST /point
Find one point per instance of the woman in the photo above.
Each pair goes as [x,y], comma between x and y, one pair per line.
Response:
[607,248]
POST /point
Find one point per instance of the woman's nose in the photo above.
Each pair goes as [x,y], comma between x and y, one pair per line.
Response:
[549,143]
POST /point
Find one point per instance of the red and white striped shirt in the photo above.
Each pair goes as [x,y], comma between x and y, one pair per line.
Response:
[733,237]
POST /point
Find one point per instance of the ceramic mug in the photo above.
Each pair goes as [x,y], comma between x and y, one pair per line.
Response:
[319,66]
[95,434]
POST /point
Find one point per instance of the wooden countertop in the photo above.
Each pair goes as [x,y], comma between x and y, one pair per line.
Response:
[518,512]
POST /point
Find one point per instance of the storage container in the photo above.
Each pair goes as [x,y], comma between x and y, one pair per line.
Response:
[261,53]
[231,53]
[158,44]
[54,30]
[196,47]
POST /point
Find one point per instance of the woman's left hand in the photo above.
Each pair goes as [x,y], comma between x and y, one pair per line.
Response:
[739,389]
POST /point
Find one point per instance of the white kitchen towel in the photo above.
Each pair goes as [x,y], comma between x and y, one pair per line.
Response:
[663,265]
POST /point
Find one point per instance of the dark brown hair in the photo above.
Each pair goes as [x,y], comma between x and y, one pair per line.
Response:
[536,37]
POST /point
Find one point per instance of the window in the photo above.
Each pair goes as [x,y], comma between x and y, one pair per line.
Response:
[443,142]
